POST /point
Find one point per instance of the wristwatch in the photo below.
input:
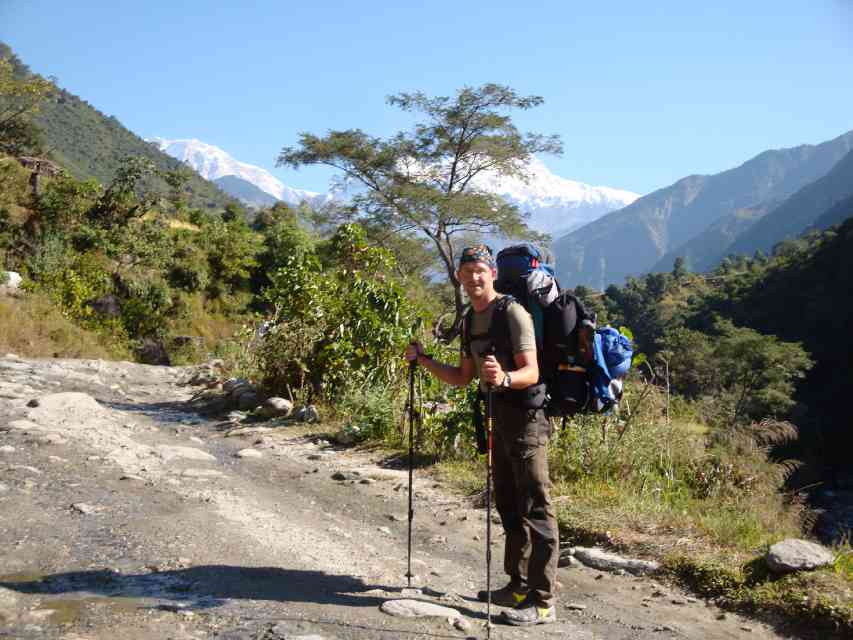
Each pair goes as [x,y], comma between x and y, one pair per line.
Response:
[507,381]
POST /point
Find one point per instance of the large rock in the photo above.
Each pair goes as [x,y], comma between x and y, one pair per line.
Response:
[107,306]
[153,351]
[247,400]
[417,609]
[797,555]
[275,408]
[604,561]
[10,281]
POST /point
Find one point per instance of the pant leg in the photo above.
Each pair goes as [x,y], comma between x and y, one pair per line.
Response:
[531,470]
[517,538]
[524,437]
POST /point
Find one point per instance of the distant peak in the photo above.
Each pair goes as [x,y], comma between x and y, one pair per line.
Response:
[212,163]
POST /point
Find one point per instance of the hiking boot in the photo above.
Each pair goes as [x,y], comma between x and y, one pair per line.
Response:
[508,596]
[529,613]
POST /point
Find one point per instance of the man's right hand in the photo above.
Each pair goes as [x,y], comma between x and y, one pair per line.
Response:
[413,350]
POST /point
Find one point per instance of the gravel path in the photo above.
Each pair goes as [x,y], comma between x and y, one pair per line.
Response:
[124,515]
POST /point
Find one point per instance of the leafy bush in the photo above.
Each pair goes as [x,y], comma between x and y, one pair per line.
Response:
[337,319]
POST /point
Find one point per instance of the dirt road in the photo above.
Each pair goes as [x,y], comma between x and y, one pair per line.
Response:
[123,515]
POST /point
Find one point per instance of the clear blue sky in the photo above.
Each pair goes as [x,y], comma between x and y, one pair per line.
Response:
[642,93]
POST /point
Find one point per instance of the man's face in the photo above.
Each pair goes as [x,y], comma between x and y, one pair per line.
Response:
[477,278]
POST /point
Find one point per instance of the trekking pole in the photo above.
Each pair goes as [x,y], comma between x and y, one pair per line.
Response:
[412,366]
[489,418]
[489,424]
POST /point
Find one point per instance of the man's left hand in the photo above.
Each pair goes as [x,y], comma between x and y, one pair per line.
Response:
[492,371]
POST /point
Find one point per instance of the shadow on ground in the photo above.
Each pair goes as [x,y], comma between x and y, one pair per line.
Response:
[210,586]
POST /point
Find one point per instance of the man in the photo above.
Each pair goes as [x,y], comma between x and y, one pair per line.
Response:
[520,437]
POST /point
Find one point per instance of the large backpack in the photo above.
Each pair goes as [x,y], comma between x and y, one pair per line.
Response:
[581,367]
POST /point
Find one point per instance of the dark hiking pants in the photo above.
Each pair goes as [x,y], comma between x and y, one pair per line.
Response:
[522,497]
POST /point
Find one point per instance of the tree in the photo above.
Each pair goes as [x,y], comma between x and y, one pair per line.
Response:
[423,181]
[19,98]
[750,375]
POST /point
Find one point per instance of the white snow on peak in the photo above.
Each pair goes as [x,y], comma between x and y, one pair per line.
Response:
[556,205]
[544,188]
[212,162]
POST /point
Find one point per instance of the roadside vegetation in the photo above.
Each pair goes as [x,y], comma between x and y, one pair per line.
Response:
[728,414]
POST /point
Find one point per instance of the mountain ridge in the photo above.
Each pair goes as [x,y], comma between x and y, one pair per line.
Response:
[632,240]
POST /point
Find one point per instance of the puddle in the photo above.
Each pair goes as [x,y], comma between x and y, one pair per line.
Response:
[72,610]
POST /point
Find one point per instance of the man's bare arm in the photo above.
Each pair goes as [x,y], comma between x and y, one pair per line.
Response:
[456,376]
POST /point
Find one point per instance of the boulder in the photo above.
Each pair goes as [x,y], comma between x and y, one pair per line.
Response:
[153,351]
[233,386]
[11,280]
[275,408]
[248,400]
[107,306]
[405,608]
[307,414]
[793,555]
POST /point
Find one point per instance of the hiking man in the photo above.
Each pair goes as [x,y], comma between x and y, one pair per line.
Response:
[521,478]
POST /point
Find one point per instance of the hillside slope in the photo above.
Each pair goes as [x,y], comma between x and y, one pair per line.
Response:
[631,240]
[90,144]
[798,212]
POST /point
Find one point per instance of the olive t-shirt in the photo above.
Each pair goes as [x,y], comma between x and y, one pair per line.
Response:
[522,335]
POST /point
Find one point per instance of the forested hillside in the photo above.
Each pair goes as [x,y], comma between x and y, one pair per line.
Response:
[797,213]
[90,144]
[632,240]
[800,295]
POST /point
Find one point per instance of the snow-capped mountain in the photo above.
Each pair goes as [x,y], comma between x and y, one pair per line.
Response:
[213,163]
[556,205]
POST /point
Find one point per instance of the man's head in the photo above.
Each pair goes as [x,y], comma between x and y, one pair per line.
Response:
[477,272]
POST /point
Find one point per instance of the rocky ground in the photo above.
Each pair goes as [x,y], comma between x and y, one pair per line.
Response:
[124,514]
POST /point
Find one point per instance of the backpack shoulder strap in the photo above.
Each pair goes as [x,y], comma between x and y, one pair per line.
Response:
[467,319]
[499,327]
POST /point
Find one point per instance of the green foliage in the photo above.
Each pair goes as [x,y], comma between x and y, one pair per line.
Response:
[65,120]
[339,317]
[20,98]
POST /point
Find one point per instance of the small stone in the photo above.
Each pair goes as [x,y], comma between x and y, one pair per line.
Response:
[7,448]
[722,615]
[747,629]
[395,518]
[85,509]
[384,530]
[575,606]
[132,477]
[340,476]
[248,453]
[33,403]
[678,601]
[461,624]
[438,540]
[566,560]
[367,481]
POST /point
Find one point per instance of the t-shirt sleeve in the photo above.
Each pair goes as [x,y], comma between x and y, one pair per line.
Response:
[521,331]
